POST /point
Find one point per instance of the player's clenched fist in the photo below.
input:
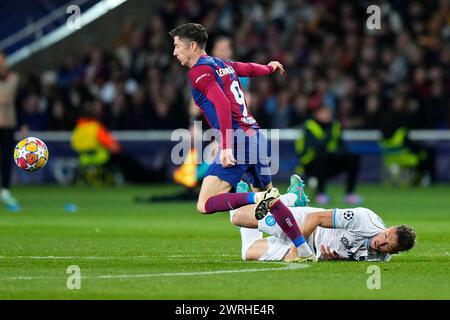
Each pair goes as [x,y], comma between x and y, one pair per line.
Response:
[276,65]
[227,158]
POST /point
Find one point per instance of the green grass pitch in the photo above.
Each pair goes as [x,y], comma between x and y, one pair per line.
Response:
[167,251]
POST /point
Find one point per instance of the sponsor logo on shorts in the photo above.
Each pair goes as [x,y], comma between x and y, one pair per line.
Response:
[270,221]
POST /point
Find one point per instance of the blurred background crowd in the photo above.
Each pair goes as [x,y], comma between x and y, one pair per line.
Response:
[330,56]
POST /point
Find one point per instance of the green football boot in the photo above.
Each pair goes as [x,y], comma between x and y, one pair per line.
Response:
[297,187]
[241,187]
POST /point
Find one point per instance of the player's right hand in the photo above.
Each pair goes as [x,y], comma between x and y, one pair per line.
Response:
[276,65]
[328,254]
[227,158]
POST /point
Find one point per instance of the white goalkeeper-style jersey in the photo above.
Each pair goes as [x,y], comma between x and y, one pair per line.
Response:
[350,236]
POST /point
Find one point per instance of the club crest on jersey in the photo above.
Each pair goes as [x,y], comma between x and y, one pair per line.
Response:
[346,243]
[348,215]
[224,71]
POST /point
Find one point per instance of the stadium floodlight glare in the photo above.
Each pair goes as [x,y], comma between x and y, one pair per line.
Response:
[63,31]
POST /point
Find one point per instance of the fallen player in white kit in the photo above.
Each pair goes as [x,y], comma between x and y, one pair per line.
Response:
[337,234]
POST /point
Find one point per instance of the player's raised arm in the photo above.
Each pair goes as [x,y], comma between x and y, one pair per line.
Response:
[250,69]
[203,79]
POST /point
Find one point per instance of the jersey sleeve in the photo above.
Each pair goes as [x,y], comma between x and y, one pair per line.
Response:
[360,221]
[203,79]
[250,69]
[300,213]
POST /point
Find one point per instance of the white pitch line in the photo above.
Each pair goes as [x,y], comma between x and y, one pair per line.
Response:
[200,273]
[171,274]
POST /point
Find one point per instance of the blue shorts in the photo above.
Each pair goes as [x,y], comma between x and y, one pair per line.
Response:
[253,164]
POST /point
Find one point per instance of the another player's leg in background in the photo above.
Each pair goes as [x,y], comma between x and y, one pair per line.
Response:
[348,163]
[319,169]
[6,156]
[352,163]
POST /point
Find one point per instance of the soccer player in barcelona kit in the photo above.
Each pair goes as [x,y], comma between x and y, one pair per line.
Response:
[218,93]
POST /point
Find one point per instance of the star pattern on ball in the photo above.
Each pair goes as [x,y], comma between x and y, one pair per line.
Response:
[31,154]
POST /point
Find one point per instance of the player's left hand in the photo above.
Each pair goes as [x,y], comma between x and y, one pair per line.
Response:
[328,254]
[227,158]
[276,65]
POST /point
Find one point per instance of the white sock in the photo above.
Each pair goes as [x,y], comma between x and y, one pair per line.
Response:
[259,196]
[232,212]
[304,250]
[288,199]
[248,237]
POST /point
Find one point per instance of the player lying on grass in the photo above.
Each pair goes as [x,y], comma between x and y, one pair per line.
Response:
[348,234]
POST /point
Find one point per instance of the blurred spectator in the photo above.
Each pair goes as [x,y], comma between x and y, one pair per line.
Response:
[70,71]
[301,111]
[330,58]
[373,113]
[161,119]
[59,119]
[282,112]
[348,115]
[323,154]
[403,151]
[33,115]
[138,116]
[9,82]
[436,107]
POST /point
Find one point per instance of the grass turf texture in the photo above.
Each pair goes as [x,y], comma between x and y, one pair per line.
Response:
[150,245]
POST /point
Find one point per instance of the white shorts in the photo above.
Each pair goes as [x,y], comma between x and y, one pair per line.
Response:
[277,249]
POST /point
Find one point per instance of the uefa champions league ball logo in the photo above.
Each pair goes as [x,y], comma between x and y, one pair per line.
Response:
[348,215]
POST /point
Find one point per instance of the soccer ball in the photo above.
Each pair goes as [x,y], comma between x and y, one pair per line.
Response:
[31,154]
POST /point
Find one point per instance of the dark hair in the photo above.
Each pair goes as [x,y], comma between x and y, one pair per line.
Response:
[191,31]
[406,237]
